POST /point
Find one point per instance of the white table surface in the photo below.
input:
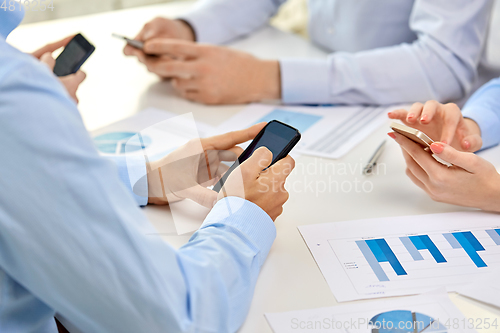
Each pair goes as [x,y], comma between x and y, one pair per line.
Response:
[118,87]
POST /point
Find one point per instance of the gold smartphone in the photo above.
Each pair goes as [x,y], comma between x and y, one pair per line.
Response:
[413,134]
[419,137]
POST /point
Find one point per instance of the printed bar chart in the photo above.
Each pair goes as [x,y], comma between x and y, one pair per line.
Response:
[495,235]
[424,242]
[467,241]
[377,251]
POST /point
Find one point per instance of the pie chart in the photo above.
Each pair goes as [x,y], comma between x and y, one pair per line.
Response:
[405,321]
[118,143]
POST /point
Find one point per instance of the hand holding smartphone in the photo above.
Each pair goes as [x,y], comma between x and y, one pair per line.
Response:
[418,137]
[278,137]
[73,56]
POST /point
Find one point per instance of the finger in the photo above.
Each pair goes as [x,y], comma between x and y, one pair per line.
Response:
[181,84]
[415,180]
[52,46]
[414,113]
[230,154]
[452,116]
[129,50]
[173,47]
[79,77]
[415,168]
[428,111]
[48,60]
[231,139]
[423,158]
[467,161]
[283,166]
[260,159]
[170,68]
[472,143]
[201,195]
[398,114]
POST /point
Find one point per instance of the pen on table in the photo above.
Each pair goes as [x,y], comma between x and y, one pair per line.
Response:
[373,160]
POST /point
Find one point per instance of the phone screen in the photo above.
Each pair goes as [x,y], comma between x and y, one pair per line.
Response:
[276,137]
[279,138]
[73,56]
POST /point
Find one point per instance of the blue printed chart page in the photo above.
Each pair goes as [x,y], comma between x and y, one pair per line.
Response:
[405,255]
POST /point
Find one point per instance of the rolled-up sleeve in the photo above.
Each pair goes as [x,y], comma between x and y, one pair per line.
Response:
[484,108]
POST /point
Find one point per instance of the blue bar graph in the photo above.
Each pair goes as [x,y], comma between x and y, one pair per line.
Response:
[424,242]
[470,244]
[453,241]
[495,235]
[380,252]
[410,247]
[372,261]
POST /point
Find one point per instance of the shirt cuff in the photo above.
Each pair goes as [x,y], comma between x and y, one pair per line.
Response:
[488,123]
[132,173]
[305,81]
[246,217]
[204,28]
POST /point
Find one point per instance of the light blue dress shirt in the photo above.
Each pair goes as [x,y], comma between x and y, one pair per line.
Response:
[384,51]
[484,108]
[74,242]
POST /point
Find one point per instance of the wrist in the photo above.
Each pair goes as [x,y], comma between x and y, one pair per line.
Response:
[269,82]
[185,30]
[472,126]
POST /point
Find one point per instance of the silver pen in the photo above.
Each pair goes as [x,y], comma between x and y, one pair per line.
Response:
[135,43]
[373,160]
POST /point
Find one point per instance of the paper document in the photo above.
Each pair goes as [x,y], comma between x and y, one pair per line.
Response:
[427,313]
[329,132]
[404,255]
[484,290]
[160,133]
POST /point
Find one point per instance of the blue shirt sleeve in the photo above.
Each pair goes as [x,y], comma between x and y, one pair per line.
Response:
[74,238]
[131,170]
[484,108]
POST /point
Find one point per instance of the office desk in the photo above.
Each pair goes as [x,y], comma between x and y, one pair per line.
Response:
[118,87]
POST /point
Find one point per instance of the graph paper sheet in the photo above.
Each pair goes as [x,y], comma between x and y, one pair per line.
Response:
[405,255]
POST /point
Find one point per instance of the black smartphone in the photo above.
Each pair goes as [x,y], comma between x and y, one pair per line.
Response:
[278,137]
[73,56]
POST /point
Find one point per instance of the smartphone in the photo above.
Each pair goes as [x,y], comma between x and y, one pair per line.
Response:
[132,42]
[418,137]
[73,56]
[278,137]
[413,134]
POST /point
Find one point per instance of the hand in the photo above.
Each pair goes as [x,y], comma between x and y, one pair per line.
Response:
[49,48]
[444,123]
[190,169]
[471,181]
[265,188]
[161,28]
[212,74]
[71,82]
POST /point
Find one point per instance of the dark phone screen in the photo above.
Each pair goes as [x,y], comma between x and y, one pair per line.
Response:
[276,138]
[69,58]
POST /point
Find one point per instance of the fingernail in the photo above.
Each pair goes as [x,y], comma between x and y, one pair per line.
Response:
[392,135]
[444,141]
[437,147]
[411,115]
[389,114]
[466,144]
[424,118]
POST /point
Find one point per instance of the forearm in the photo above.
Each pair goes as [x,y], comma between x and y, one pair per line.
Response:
[438,65]
[219,21]
[484,109]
